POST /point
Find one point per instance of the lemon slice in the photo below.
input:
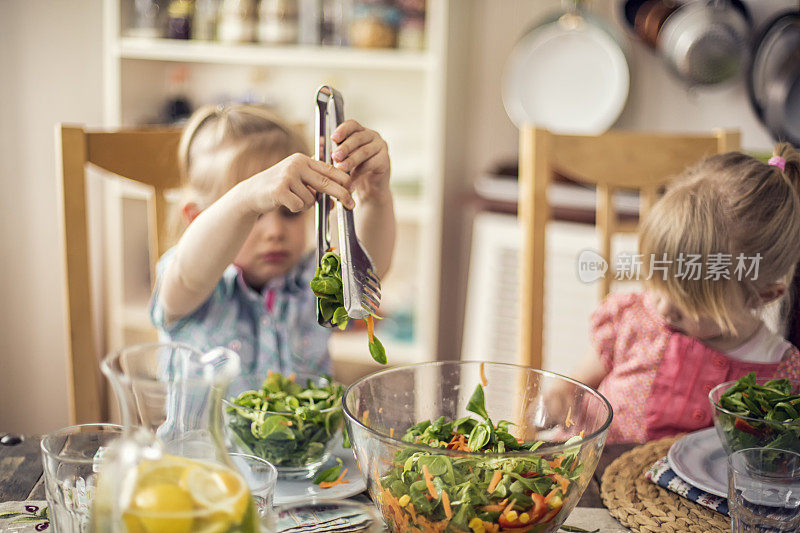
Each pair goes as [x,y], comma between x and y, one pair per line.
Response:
[160,508]
[216,491]
[169,469]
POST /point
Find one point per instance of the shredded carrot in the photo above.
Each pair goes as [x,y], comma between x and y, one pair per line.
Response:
[508,507]
[340,480]
[446,503]
[496,477]
[563,482]
[391,432]
[412,512]
[555,463]
[484,382]
[581,434]
[371,328]
[332,248]
[568,422]
[365,418]
[292,376]
[269,373]
[429,482]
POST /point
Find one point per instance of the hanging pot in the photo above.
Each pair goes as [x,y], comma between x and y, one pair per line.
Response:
[650,17]
[705,42]
[773,76]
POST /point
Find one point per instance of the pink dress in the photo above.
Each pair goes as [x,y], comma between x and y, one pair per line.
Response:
[658,380]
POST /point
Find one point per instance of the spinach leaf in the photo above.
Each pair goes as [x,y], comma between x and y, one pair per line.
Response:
[286,423]
[327,286]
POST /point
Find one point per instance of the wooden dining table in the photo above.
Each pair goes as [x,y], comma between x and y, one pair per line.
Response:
[21,473]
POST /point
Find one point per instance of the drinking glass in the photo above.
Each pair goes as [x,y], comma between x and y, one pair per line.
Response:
[70,458]
[764,490]
[261,477]
[325,515]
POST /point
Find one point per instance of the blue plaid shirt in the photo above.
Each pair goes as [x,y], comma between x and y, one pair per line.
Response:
[274,329]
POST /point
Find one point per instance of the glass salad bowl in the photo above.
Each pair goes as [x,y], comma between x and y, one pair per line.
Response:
[539,437]
[294,422]
[756,413]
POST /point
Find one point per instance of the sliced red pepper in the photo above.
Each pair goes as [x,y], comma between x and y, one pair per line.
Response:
[743,425]
[539,507]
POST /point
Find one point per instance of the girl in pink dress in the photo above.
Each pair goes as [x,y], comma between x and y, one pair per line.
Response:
[722,243]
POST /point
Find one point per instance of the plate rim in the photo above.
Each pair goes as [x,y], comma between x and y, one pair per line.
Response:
[673,451]
[352,488]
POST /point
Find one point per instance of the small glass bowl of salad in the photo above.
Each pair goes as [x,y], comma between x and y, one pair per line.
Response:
[756,413]
[478,447]
[294,422]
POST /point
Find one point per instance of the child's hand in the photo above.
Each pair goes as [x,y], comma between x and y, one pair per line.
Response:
[293,182]
[365,156]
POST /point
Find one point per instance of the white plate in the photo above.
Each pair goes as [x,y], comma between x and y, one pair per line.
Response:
[298,490]
[570,81]
[701,461]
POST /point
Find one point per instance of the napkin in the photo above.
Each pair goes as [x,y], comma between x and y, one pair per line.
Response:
[30,515]
[322,519]
[663,476]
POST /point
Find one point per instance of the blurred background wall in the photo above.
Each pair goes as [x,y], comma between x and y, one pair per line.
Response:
[50,71]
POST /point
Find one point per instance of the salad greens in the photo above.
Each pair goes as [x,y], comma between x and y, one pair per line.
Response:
[286,423]
[773,402]
[327,286]
[481,492]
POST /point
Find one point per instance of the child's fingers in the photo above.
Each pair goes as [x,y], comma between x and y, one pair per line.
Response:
[353,142]
[304,193]
[290,201]
[345,129]
[361,154]
[330,171]
[324,183]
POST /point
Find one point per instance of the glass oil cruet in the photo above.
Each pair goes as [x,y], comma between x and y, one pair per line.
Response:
[170,472]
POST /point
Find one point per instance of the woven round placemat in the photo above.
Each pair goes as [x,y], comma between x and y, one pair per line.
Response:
[643,506]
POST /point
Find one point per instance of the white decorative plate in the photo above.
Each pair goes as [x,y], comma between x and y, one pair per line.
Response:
[298,490]
[570,81]
[701,461]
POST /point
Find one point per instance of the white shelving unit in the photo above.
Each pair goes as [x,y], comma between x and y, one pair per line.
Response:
[402,94]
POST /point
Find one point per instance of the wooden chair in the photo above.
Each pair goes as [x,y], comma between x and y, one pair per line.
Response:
[149,157]
[643,162]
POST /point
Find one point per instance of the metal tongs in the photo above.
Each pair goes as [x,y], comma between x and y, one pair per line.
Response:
[361,285]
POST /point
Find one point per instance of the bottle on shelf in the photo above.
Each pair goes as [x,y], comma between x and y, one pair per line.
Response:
[205,20]
[179,19]
[278,21]
[237,21]
[146,20]
[374,25]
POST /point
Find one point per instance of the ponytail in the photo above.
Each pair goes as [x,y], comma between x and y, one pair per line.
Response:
[785,157]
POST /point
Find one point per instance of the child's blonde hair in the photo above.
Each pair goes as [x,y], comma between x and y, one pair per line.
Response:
[225,144]
[731,204]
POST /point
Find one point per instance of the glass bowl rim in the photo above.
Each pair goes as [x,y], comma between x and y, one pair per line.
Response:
[44,443]
[273,470]
[228,402]
[718,407]
[544,448]
[113,356]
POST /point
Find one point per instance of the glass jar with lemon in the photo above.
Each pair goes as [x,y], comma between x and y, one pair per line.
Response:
[171,472]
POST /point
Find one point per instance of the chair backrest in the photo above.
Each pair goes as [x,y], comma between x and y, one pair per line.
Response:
[149,157]
[615,160]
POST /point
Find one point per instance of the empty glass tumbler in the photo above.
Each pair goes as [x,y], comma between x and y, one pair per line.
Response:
[764,491]
[70,459]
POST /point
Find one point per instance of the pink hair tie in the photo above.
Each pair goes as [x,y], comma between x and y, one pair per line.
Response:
[777,161]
